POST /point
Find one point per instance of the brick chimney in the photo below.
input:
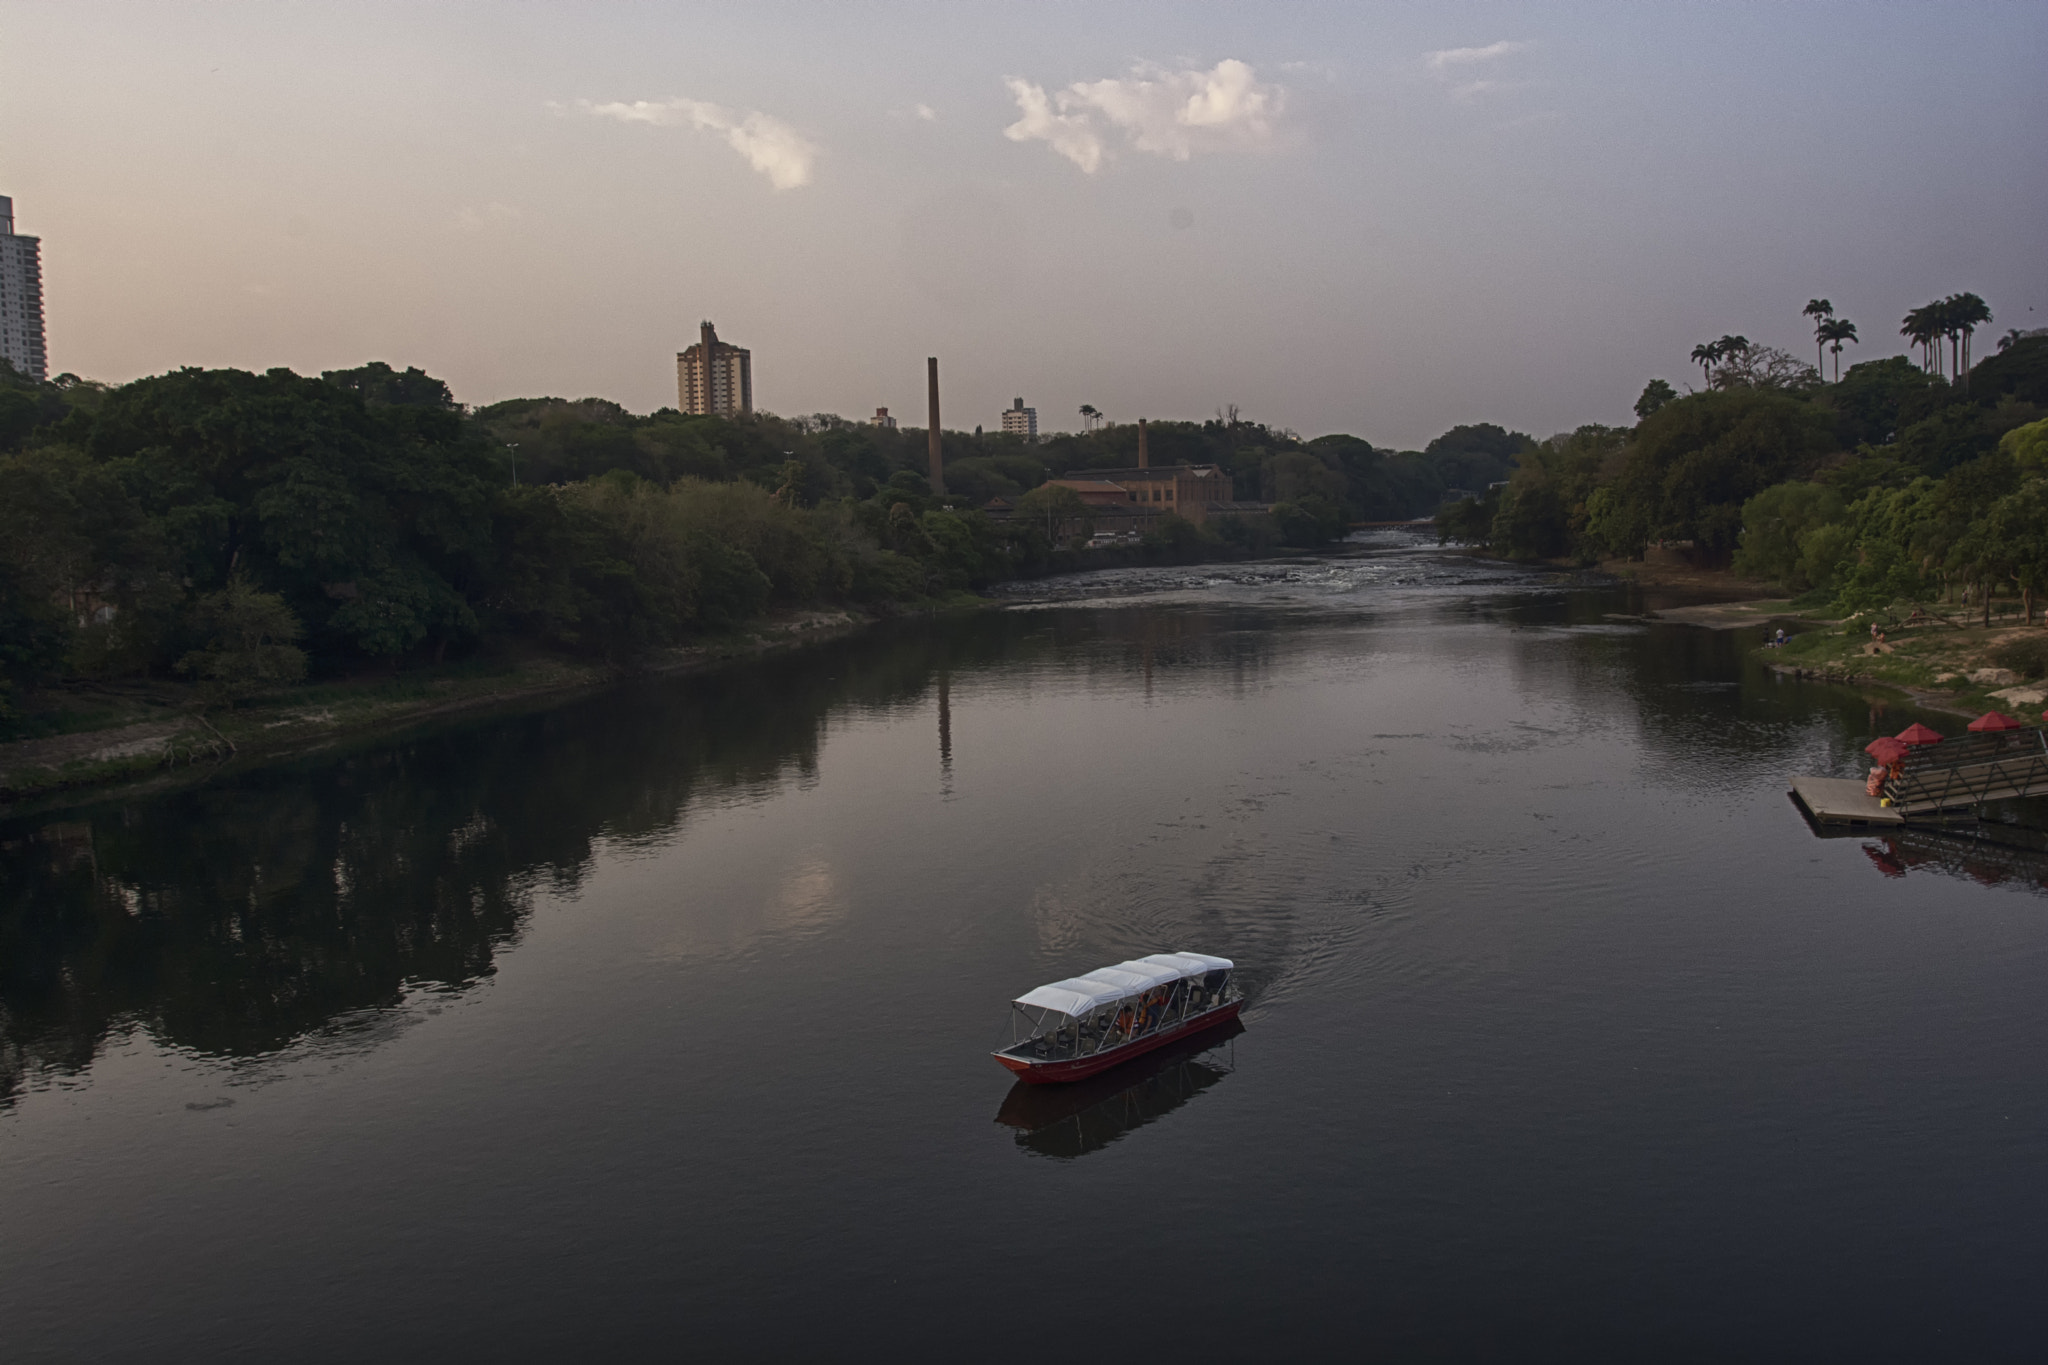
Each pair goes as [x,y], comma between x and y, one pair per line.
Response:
[938,471]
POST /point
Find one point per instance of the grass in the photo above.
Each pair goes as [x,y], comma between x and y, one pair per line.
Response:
[1933,658]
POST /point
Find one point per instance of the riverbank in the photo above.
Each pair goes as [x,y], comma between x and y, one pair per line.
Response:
[1945,662]
[1942,662]
[155,734]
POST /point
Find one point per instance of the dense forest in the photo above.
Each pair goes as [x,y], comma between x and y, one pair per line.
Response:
[1900,481]
[243,531]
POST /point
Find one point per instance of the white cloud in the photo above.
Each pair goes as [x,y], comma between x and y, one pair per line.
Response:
[1073,136]
[770,146]
[1165,112]
[926,112]
[1442,61]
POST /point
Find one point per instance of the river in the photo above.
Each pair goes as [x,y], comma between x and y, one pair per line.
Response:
[656,1024]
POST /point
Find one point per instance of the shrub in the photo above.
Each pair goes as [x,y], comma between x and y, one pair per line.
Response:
[249,645]
[2027,657]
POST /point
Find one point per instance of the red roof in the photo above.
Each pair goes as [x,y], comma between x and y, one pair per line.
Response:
[1916,733]
[1995,720]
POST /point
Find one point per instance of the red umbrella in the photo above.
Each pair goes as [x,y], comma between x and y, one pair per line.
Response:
[1992,721]
[1887,750]
[1916,733]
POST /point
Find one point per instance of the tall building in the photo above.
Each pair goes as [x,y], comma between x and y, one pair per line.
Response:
[1019,420]
[715,378]
[21,298]
[883,420]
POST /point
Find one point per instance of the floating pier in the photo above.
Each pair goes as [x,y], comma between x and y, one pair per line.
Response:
[1936,781]
[1842,801]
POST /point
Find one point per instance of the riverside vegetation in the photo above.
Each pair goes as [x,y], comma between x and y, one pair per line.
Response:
[1912,495]
[210,541]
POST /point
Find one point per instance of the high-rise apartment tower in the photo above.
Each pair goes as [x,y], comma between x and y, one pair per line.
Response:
[1019,420]
[21,298]
[714,378]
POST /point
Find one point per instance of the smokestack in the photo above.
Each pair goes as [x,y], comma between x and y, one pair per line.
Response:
[938,462]
[1144,456]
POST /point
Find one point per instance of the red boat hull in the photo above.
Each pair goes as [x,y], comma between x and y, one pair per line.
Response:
[1076,1068]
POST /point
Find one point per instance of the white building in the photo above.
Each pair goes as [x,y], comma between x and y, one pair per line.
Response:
[1019,420]
[715,378]
[883,420]
[21,298]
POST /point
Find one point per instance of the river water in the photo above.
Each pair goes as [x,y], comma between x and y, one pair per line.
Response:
[656,1024]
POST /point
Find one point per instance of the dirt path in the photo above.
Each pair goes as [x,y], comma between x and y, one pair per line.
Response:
[24,760]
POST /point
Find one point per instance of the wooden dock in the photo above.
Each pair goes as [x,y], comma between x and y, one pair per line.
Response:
[1842,801]
[1951,779]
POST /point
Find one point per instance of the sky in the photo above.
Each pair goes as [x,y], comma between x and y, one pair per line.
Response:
[1373,218]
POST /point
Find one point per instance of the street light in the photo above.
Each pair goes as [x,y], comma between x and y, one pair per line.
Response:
[513,446]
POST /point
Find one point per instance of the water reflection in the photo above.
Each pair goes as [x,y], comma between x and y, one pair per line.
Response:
[239,918]
[2002,856]
[245,916]
[1067,1122]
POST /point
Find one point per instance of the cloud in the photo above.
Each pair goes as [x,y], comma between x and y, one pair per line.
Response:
[926,112]
[1073,136]
[1170,113]
[1442,61]
[770,146]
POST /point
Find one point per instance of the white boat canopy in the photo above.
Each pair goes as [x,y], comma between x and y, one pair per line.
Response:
[1080,996]
[1191,964]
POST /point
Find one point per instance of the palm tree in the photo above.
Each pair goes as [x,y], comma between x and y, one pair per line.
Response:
[1704,355]
[1966,311]
[1731,347]
[1837,331]
[1820,310]
[1089,416]
[1919,327]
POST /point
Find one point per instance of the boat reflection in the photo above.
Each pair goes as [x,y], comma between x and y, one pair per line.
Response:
[1070,1121]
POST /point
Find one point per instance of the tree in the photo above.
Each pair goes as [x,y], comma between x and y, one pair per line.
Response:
[1065,513]
[1919,327]
[1835,331]
[1690,466]
[1655,395]
[249,647]
[1776,524]
[1091,417]
[2017,526]
[2028,447]
[1765,367]
[1966,312]
[1705,355]
[1820,310]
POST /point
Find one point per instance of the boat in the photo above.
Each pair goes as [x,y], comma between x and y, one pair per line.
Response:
[1075,1028]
